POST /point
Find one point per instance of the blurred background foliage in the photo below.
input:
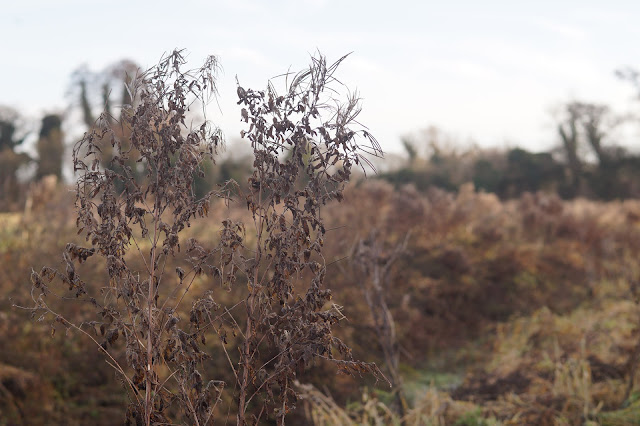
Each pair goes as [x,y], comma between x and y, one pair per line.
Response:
[514,297]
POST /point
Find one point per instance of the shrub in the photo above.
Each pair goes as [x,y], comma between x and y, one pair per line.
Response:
[282,320]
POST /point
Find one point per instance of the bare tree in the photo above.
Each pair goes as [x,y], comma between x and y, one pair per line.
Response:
[12,135]
[568,132]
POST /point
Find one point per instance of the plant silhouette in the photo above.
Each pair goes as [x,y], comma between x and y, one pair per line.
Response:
[304,147]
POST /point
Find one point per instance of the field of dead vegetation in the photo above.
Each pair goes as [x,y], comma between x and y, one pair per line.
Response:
[516,312]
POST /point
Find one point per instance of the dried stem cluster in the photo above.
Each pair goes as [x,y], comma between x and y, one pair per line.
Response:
[304,149]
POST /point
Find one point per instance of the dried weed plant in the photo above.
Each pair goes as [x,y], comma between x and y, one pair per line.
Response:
[304,149]
[372,263]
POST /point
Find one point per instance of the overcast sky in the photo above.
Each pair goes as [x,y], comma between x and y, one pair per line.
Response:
[490,70]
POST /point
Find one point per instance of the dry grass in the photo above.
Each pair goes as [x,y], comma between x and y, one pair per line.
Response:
[533,299]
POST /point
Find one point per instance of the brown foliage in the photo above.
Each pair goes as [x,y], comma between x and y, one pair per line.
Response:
[134,229]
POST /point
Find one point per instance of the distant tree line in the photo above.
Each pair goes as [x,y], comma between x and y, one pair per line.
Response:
[587,162]
[90,93]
